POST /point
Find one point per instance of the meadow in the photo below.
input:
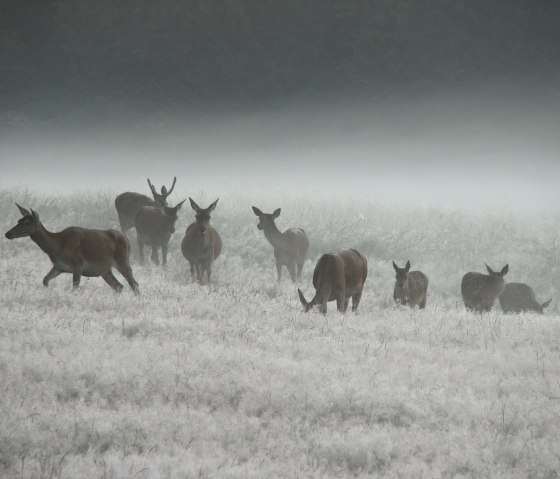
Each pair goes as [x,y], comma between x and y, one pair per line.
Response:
[232,379]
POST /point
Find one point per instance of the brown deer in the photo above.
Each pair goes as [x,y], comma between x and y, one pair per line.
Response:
[202,244]
[519,297]
[411,287]
[129,204]
[154,226]
[480,291]
[80,251]
[290,247]
[338,276]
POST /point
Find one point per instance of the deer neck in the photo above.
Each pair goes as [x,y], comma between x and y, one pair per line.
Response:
[45,240]
[275,237]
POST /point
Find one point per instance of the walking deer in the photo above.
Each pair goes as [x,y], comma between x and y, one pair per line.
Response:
[411,287]
[202,244]
[519,297]
[338,276]
[129,204]
[480,291]
[80,251]
[290,247]
[154,226]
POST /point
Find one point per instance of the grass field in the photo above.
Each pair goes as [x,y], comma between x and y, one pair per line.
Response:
[233,380]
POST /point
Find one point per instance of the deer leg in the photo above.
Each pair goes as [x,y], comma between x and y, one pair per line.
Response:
[110,279]
[341,301]
[299,270]
[164,254]
[76,276]
[422,304]
[356,300]
[208,270]
[192,271]
[126,271]
[141,249]
[279,270]
[155,257]
[198,272]
[346,301]
[292,270]
[53,273]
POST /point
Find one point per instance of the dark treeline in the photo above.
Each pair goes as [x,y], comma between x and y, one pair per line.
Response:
[167,51]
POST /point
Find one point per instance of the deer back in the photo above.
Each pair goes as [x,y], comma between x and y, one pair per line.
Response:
[129,204]
[518,297]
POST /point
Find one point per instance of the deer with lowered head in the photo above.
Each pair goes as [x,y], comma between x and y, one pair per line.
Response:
[202,244]
[290,247]
[129,204]
[411,287]
[154,226]
[79,251]
[338,277]
[520,297]
[480,291]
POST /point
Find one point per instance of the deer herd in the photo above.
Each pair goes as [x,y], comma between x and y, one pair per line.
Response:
[338,276]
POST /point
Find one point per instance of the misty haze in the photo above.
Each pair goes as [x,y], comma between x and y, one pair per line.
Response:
[333,227]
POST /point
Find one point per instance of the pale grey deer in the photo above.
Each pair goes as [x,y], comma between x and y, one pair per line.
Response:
[411,287]
[202,244]
[129,204]
[290,247]
[338,277]
[79,251]
[480,291]
[154,227]
[519,297]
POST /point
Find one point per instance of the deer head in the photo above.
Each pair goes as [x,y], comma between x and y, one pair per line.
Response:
[203,214]
[496,275]
[26,226]
[171,212]
[161,199]
[402,274]
[266,219]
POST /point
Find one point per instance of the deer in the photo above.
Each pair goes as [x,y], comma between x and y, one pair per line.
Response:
[480,291]
[154,226]
[338,276]
[129,204]
[202,244]
[411,287]
[520,297]
[290,247]
[79,251]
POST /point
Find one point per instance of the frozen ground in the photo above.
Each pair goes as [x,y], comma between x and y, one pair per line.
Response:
[233,380]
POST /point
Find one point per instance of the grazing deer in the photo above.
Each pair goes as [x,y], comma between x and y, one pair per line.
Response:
[290,247]
[80,251]
[202,244]
[480,291]
[154,226]
[519,297]
[338,276]
[129,204]
[411,287]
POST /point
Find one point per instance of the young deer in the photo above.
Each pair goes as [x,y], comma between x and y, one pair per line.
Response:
[338,277]
[129,204]
[290,247]
[202,244]
[154,226]
[519,297]
[480,291]
[80,251]
[411,287]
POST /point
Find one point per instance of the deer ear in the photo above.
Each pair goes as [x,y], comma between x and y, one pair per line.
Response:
[179,205]
[505,270]
[396,267]
[23,211]
[546,304]
[35,214]
[489,269]
[212,207]
[407,267]
[276,213]
[257,211]
[194,205]
[163,191]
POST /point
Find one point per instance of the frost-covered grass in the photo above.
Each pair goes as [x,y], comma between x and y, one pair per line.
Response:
[233,380]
